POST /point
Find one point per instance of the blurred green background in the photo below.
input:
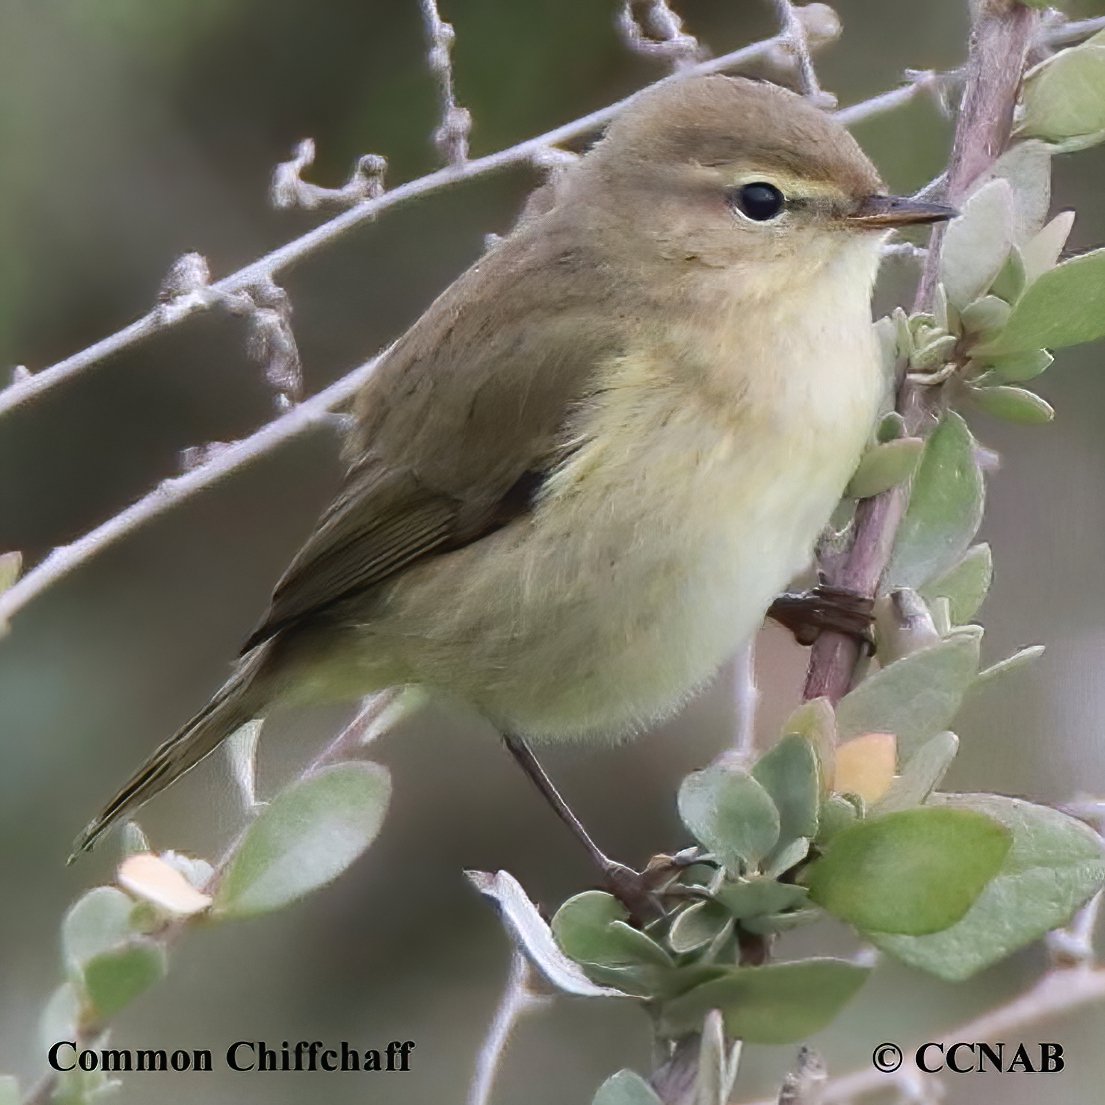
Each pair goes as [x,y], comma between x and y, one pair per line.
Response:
[132,131]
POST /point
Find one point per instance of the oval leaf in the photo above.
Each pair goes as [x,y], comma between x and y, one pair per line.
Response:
[1064,97]
[97,922]
[1055,865]
[914,697]
[696,926]
[884,466]
[626,1088]
[945,507]
[778,1004]
[915,872]
[1041,253]
[977,243]
[307,836]
[789,774]
[865,765]
[921,774]
[1013,404]
[591,928]
[730,814]
[965,586]
[115,978]
[1065,306]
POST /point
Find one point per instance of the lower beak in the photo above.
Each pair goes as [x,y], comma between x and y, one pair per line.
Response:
[886,212]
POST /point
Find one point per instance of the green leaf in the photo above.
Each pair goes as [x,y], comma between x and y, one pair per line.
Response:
[1011,280]
[966,585]
[977,243]
[921,774]
[133,840]
[97,922]
[696,926]
[745,898]
[626,1088]
[986,315]
[884,466]
[1019,367]
[730,814]
[915,872]
[1042,252]
[891,426]
[1027,167]
[777,1004]
[789,774]
[1065,306]
[945,507]
[1064,97]
[1013,404]
[307,836]
[1020,659]
[591,928]
[1054,866]
[60,1019]
[768,923]
[241,751]
[914,697]
[836,813]
[816,721]
[718,1063]
[115,978]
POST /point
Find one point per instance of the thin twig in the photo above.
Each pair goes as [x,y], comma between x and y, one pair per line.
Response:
[517,1000]
[451,136]
[1056,993]
[797,43]
[652,29]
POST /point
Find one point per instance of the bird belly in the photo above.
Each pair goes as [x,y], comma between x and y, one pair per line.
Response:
[653,554]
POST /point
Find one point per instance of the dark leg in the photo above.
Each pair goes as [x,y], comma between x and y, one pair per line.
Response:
[825,607]
[630,888]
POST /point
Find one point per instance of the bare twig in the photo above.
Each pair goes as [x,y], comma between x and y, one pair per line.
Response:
[451,136]
[517,1000]
[999,44]
[27,388]
[289,189]
[651,28]
[797,44]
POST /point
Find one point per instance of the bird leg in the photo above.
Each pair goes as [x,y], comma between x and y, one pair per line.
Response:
[808,613]
[633,890]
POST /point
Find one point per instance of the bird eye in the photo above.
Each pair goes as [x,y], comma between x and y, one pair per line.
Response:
[758,201]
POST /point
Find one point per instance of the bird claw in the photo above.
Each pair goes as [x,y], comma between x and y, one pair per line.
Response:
[808,614]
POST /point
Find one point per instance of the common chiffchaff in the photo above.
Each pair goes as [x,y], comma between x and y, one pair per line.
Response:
[577,481]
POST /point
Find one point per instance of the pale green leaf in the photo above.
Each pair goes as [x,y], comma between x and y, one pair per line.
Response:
[730,814]
[1018,367]
[965,586]
[977,243]
[1027,167]
[1020,659]
[1065,306]
[626,1088]
[914,697]
[532,934]
[768,923]
[591,928]
[985,315]
[884,466]
[777,1004]
[113,979]
[915,871]
[816,721]
[307,836]
[945,507]
[937,350]
[718,1062]
[133,840]
[241,750]
[97,922]
[1054,865]
[1010,280]
[920,775]
[836,813]
[1013,404]
[60,1018]
[745,898]
[697,925]
[1064,96]
[789,773]
[1041,253]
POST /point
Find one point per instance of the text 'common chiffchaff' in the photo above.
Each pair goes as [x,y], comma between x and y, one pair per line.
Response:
[577,481]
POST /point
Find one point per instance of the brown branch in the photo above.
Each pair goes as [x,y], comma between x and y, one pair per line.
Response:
[1000,40]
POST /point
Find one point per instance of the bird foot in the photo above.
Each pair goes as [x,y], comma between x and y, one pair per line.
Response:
[808,614]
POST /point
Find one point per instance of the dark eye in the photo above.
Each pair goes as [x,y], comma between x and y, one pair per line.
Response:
[758,201]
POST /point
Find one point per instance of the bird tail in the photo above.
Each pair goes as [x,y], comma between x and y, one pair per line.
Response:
[235,703]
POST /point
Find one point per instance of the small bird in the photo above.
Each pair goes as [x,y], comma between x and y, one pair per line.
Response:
[577,482]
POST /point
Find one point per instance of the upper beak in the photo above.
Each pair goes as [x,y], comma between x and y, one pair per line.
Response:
[882,212]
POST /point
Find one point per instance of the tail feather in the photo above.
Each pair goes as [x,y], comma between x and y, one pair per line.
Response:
[235,703]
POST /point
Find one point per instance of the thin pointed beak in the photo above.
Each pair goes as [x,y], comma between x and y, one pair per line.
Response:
[887,212]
